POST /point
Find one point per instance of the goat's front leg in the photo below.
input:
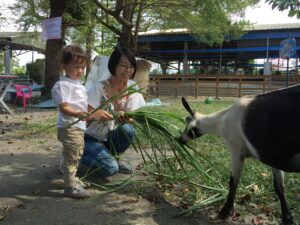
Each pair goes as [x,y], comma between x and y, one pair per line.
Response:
[287,218]
[237,166]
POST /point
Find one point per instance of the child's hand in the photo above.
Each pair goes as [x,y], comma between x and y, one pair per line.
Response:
[82,115]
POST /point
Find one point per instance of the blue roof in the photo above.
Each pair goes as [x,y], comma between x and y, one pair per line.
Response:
[249,49]
[270,34]
[169,45]
[166,38]
[248,36]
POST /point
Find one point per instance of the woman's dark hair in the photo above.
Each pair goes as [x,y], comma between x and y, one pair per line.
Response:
[115,57]
[73,53]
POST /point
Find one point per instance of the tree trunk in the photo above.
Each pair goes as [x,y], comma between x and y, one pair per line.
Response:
[53,48]
[127,39]
[89,42]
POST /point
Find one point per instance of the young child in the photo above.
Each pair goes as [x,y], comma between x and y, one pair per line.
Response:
[70,96]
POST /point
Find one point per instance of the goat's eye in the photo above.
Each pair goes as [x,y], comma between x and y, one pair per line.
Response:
[188,119]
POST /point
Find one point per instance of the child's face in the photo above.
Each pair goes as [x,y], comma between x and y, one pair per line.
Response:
[75,70]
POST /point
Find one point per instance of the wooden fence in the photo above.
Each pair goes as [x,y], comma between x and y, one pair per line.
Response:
[216,85]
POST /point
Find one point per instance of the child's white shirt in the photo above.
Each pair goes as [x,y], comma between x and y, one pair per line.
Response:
[72,92]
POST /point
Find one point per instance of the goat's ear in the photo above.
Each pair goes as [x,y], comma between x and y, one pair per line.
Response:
[187,106]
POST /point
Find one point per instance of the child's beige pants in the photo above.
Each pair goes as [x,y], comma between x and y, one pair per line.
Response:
[73,144]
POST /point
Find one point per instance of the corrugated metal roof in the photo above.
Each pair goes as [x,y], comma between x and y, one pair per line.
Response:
[168,31]
[20,39]
[253,27]
[278,26]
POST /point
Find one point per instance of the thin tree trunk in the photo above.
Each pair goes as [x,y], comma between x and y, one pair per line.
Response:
[89,42]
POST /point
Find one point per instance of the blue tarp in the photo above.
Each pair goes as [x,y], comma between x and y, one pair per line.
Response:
[45,104]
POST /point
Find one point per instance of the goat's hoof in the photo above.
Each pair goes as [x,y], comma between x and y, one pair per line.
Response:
[288,221]
[224,214]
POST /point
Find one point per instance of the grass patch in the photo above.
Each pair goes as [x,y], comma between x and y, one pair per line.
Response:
[30,128]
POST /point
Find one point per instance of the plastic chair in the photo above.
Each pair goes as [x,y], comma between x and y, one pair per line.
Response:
[24,92]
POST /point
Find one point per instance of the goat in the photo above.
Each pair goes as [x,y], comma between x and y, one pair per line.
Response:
[265,127]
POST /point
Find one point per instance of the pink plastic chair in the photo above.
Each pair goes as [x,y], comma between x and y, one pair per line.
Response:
[24,92]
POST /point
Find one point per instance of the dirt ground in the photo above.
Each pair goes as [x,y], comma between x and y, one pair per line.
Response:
[31,187]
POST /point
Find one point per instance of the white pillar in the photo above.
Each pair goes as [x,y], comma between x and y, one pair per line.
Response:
[185,59]
[7,59]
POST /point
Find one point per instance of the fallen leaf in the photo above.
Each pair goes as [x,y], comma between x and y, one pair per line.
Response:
[186,190]
[132,200]
[264,174]
[258,220]
[185,204]
[152,198]
[267,210]
[21,206]
[253,205]
[138,167]
[235,216]
[255,188]
[123,210]
[36,191]
[2,214]
[245,198]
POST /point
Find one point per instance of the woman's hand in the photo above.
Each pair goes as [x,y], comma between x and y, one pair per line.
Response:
[123,118]
[101,115]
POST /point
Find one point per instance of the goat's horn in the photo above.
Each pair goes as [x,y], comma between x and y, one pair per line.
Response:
[187,106]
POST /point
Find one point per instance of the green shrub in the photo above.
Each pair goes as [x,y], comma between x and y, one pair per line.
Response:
[20,70]
[36,70]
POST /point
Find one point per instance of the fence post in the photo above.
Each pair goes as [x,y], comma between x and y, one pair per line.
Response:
[217,87]
[196,89]
[264,84]
[176,89]
[240,85]
[157,86]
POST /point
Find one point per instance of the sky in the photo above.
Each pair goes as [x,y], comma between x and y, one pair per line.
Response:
[261,14]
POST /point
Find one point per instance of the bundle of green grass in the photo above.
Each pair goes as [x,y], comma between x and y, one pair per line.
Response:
[157,142]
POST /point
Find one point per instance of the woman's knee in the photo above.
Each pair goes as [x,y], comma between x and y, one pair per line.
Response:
[98,157]
[128,130]
[110,169]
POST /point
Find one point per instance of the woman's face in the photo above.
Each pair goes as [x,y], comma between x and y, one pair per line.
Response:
[124,69]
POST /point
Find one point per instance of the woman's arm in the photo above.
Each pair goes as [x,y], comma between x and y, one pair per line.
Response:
[99,115]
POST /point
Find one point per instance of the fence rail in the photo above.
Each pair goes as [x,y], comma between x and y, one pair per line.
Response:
[217,86]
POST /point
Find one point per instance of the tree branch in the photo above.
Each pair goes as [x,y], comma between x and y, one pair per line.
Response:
[116,13]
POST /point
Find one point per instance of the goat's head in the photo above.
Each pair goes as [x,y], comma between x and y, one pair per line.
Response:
[192,130]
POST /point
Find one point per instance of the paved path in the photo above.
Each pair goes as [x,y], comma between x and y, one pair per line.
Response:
[31,190]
